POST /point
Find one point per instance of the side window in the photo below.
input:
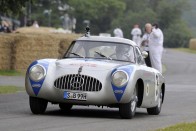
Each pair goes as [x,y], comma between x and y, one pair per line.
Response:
[140,59]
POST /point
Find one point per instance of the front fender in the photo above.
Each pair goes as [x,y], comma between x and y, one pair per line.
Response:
[123,94]
[33,87]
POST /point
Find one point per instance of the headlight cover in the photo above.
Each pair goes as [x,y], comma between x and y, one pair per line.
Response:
[37,72]
[119,78]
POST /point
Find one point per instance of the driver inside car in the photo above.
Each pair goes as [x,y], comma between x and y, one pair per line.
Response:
[123,52]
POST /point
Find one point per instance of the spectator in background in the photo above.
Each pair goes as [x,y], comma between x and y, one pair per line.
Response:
[9,30]
[35,24]
[5,27]
[136,34]
[146,41]
[156,47]
[118,32]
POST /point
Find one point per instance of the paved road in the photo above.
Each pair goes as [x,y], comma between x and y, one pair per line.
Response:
[179,106]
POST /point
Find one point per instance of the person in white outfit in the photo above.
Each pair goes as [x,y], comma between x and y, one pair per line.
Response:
[156,47]
[136,34]
[118,32]
[145,43]
[35,24]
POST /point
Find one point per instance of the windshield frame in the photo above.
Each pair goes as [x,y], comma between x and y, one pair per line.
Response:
[103,58]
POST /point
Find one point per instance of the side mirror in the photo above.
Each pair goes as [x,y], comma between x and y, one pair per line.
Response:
[144,54]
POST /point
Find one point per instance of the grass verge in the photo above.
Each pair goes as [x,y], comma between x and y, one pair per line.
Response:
[10,89]
[180,127]
[10,73]
[186,50]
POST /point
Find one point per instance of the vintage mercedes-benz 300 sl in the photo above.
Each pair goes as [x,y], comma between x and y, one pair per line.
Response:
[96,70]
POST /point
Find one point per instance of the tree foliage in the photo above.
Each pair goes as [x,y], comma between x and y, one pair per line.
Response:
[177,35]
[12,6]
[167,13]
[101,13]
[106,15]
[47,19]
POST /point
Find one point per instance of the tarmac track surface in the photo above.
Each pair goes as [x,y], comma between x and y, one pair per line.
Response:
[179,105]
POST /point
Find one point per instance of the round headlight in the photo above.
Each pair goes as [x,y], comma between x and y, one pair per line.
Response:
[37,73]
[119,78]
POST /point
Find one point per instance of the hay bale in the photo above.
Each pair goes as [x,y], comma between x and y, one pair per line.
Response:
[64,44]
[18,50]
[33,30]
[192,44]
[33,47]
[5,51]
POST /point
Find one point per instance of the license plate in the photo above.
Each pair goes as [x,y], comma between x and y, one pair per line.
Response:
[75,96]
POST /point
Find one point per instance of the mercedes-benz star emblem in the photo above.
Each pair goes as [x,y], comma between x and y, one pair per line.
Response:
[77,82]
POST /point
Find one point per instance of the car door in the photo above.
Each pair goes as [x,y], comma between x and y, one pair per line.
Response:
[148,76]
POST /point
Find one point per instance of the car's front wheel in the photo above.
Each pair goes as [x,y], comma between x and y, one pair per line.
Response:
[37,105]
[66,107]
[127,110]
[157,109]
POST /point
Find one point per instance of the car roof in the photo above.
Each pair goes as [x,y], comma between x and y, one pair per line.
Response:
[107,39]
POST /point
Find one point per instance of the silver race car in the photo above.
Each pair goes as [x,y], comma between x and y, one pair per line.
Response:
[96,70]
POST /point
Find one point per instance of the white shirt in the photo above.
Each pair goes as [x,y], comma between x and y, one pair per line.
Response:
[156,48]
[136,33]
[118,33]
[156,37]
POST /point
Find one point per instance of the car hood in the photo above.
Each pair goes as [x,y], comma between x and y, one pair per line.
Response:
[90,64]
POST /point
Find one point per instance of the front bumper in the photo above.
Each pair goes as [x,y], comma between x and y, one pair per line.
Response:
[49,92]
[105,96]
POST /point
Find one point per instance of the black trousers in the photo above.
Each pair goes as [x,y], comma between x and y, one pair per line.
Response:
[147,60]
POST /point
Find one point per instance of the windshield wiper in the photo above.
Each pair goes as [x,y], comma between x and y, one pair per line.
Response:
[77,54]
[102,55]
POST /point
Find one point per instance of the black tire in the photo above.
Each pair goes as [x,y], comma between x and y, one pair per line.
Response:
[157,109]
[37,105]
[127,110]
[66,107]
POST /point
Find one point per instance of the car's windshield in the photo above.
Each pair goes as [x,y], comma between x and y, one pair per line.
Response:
[101,50]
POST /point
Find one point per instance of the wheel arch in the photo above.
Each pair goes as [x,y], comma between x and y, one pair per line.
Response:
[163,91]
[140,88]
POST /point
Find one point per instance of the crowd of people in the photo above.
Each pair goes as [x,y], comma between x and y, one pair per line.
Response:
[151,41]
[7,26]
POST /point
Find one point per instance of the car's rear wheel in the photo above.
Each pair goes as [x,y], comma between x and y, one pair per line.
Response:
[127,110]
[157,109]
[37,105]
[66,107]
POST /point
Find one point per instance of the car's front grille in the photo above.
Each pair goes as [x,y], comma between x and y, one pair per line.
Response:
[78,82]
